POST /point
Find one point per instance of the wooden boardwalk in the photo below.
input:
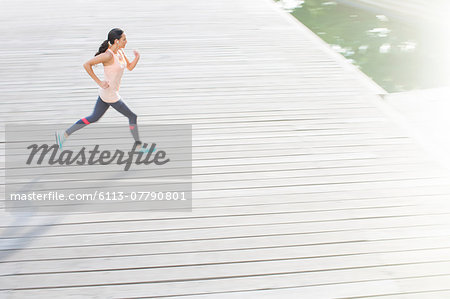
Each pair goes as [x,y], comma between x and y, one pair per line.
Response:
[306,185]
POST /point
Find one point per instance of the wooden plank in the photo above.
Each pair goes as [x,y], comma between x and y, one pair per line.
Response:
[424,253]
[236,233]
[130,288]
[398,263]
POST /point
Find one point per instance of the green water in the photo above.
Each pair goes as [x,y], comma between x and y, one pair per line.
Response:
[398,55]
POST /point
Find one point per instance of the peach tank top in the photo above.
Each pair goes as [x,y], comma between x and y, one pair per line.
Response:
[113,74]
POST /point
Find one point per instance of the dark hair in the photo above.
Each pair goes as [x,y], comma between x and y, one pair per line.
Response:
[115,33]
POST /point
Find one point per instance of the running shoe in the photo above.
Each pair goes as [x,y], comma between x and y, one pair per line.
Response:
[60,139]
[143,149]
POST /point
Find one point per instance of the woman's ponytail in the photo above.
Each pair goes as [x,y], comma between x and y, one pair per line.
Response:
[103,47]
[115,33]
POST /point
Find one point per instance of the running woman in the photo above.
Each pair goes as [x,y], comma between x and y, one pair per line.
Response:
[114,62]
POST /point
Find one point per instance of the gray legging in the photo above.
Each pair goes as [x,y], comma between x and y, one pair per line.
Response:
[100,109]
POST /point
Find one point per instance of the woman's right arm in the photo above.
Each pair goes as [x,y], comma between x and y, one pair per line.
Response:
[101,58]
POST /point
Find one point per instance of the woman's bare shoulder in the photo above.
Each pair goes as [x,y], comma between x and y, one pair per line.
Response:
[107,58]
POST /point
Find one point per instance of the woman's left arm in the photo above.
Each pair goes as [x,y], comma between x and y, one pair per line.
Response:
[131,65]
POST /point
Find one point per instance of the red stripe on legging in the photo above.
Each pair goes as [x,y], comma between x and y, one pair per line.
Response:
[85,121]
[131,127]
